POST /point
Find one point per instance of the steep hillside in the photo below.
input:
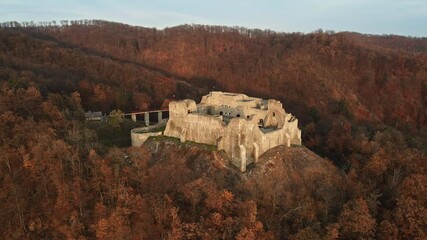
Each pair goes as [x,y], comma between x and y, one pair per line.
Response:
[311,71]
[57,181]
[103,82]
[289,185]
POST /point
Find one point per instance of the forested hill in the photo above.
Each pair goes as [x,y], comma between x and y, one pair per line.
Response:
[103,81]
[361,101]
[378,78]
[328,80]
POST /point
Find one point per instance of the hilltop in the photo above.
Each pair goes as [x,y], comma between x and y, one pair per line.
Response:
[286,180]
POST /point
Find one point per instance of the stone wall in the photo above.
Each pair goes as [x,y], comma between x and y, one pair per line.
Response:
[139,138]
[240,133]
[181,108]
[232,100]
[140,135]
[196,127]
[242,126]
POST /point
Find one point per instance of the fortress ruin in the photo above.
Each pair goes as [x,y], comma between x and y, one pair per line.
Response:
[244,127]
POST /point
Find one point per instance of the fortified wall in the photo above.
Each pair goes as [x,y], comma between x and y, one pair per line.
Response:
[139,135]
[244,127]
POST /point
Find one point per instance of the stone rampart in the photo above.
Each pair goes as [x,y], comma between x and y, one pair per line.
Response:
[140,135]
[244,127]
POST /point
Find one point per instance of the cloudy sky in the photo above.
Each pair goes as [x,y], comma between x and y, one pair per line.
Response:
[402,17]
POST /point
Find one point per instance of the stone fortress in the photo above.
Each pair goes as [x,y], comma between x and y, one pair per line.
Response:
[244,127]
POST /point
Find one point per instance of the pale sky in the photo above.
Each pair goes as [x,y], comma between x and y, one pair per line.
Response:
[401,17]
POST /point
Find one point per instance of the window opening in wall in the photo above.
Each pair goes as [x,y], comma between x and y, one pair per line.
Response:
[220,113]
[274,114]
[238,115]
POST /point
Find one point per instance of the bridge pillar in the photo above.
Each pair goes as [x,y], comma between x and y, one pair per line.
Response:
[133,116]
[147,118]
[159,116]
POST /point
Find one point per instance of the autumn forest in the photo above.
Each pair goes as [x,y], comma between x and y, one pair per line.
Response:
[361,101]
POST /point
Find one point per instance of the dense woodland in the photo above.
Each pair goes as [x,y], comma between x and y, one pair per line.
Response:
[361,101]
